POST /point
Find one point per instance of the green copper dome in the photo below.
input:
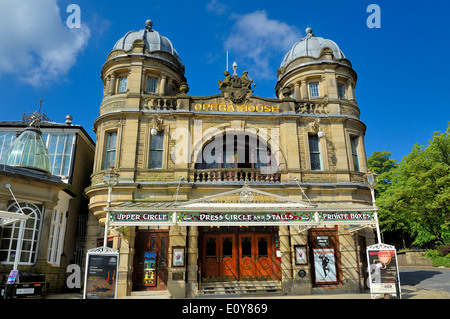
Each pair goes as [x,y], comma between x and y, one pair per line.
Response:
[29,150]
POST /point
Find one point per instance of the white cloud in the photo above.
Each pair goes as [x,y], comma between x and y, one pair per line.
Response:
[216,7]
[36,46]
[261,43]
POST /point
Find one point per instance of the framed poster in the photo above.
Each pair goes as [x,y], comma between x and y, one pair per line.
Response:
[101,274]
[383,269]
[325,266]
[178,256]
[300,255]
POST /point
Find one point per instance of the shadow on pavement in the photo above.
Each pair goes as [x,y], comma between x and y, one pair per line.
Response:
[416,277]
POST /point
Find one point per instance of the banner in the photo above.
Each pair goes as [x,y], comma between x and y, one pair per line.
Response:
[324,266]
[346,217]
[383,270]
[101,275]
[135,218]
[245,218]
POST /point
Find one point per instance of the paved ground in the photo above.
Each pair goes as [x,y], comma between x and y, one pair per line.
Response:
[416,283]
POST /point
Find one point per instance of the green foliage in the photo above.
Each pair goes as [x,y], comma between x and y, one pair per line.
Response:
[381,164]
[438,258]
[414,196]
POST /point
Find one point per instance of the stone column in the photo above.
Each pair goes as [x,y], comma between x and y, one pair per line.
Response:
[286,267]
[176,282]
[304,90]
[162,87]
[301,285]
[125,245]
[350,93]
[107,86]
[297,91]
[112,84]
[46,222]
[323,86]
[192,262]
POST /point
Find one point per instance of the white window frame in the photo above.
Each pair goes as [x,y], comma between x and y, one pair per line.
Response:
[354,140]
[318,152]
[109,149]
[6,139]
[56,237]
[122,86]
[341,90]
[33,227]
[152,82]
[314,89]
[66,155]
[156,150]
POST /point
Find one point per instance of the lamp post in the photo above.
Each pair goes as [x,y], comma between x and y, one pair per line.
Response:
[372,181]
[110,179]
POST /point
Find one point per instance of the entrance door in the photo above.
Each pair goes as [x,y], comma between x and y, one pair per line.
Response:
[255,255]
[219,256]
[151,275]
[227,257]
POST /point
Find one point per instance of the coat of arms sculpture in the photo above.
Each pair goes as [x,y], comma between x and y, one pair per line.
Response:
[236,88]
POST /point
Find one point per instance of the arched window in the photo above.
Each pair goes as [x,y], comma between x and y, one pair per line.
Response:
[235,150]
[10,233]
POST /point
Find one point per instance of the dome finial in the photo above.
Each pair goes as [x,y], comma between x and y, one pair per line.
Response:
[149,25]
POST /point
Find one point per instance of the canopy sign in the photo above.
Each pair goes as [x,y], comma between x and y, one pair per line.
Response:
[245,218]
[346,217]
[140,218]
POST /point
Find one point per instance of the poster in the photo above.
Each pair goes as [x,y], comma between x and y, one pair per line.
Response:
[150,268]
[178,256]
[101,276]
[300,255]
[325,265]
[13,276]
[383,270]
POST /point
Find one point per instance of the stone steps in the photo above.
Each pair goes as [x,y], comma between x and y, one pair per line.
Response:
[240,288]
[150,294]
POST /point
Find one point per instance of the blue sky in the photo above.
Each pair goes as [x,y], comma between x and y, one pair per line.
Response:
[402,67]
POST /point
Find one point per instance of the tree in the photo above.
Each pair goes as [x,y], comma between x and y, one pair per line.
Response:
[381,164]
[417,198]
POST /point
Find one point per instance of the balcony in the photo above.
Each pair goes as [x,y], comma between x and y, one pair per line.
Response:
[234,175]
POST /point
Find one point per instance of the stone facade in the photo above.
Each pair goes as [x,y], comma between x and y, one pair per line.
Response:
[189,124]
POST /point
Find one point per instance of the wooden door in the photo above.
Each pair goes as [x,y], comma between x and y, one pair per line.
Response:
[151,241]
[210,267]
[247,267]
[255,255]
[227,256]
[263,255]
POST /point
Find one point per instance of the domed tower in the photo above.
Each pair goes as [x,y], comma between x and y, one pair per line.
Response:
[143,65]
[143,85]
[318,77]
[317,68]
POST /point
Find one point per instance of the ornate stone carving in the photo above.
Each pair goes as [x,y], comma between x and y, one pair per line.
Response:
[236,88]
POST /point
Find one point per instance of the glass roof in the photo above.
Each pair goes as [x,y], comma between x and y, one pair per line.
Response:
[28,150]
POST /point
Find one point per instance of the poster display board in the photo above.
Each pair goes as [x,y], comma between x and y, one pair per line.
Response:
[101,274]
[325,265]
[150,268]
[383,269]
